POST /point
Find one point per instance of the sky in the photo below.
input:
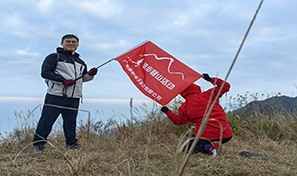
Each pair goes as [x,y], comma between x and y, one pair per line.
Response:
[203,34]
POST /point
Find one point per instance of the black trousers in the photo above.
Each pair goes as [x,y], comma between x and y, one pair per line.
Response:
[50,114]
[203,146]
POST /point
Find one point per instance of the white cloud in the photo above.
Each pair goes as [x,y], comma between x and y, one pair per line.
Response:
[13,21]
[115,45]
[44,5]
[105,9]
[26,52]
[182,20]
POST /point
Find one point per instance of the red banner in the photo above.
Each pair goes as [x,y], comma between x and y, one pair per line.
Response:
[156,73]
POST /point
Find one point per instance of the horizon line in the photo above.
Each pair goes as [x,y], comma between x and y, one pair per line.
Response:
[107,100]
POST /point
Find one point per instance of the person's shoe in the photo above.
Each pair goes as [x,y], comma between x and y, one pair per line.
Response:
[73,146]
[38,148]
[214,149]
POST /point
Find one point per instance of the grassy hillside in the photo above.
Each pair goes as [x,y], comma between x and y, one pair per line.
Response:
[261,146]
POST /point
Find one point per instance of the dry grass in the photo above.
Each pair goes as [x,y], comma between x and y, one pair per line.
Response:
[261,146]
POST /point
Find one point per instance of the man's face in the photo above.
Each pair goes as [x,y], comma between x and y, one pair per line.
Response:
[70,44]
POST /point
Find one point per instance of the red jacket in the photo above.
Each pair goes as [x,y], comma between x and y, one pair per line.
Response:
[195,106]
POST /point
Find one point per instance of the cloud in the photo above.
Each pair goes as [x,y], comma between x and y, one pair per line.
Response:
[105,9]
[110,45]
[44,5]
[26,52]
[13,25]
[182,20]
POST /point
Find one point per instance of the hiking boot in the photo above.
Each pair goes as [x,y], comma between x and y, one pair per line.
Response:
[214,149]
[38,148]
[73,146]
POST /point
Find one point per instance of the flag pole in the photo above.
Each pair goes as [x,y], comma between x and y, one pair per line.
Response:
[105,63]
[96,67]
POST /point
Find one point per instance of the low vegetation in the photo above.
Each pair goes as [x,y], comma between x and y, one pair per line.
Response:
[265,145]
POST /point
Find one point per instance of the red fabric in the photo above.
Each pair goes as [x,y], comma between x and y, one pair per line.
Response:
[194,108]
[156,73]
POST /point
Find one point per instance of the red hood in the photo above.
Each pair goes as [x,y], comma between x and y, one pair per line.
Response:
[191,89]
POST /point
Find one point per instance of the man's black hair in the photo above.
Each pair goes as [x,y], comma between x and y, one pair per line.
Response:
[69,36]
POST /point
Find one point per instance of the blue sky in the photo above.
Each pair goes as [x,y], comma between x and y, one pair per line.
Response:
[204,34]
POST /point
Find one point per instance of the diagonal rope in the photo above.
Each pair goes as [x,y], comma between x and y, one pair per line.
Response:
[205,119]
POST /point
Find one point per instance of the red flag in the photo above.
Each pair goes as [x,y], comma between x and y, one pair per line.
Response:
[156,73]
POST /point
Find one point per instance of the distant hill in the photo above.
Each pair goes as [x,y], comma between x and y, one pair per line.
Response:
[278,105]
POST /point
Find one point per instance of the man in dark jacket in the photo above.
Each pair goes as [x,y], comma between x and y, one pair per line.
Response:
[194,109]
[65,73]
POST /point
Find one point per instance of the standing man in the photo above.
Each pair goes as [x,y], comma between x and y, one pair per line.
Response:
[194,109]
[65,72]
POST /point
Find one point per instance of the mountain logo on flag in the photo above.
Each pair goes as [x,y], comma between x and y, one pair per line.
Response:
[171,60]
[143,56]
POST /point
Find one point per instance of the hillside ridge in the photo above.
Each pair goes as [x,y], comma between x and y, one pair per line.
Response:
[281,105]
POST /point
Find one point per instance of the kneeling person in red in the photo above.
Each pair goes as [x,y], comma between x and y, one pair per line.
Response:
[194,109]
